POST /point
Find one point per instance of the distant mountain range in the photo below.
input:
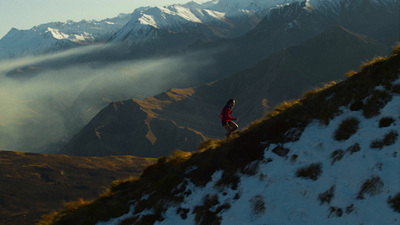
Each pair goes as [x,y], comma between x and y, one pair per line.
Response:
[208,21]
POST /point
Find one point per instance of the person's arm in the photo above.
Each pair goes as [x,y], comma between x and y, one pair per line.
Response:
[229,115]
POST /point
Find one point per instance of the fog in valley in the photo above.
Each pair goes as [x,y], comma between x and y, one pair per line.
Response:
[42,106]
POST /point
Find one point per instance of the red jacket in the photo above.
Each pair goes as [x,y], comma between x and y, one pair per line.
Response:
[226,114]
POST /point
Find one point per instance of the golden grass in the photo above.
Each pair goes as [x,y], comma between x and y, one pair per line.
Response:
[365,66]
[209,144]
[70,206]
[180,156]
[73,205]
[350,73]
[284,106]
[310,93]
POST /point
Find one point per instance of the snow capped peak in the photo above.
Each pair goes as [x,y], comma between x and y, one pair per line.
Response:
[216,16]
[163,17]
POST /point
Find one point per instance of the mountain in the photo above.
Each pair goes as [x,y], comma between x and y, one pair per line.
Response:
[208,21]
[295,23]
[181,24]
[183,118]
[58,36]
[134,130]
[328,158]
[34,184]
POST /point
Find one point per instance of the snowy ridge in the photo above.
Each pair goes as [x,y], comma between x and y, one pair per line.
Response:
[321,174]
[179,18]
[57,36]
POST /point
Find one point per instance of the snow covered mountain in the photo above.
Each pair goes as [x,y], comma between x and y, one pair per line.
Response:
[56,36]
[183,24]
[328,158]
[208,21]
[212,20]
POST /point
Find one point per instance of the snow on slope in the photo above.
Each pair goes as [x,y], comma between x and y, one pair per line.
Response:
[354,186]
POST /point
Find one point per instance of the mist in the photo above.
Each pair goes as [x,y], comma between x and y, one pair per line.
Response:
[41,111]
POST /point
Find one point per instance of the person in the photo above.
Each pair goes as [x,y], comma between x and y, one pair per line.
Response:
[227,120]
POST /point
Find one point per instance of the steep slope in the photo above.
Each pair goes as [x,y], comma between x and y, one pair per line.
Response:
[34,184]
[328,158]
[282,76]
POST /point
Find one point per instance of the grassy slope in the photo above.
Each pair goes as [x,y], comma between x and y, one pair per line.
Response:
[34,184]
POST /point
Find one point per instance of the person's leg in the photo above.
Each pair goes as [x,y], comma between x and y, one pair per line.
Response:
[227,127]
[233,126]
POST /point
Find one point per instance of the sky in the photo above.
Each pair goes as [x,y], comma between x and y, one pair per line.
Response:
[25,14]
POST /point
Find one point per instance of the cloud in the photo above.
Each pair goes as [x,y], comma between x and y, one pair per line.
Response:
[41,111]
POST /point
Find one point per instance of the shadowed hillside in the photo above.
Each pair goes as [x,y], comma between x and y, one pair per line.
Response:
[330,157]
[34,184]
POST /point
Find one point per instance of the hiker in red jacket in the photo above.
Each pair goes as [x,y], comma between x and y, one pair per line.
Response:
[226,118]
